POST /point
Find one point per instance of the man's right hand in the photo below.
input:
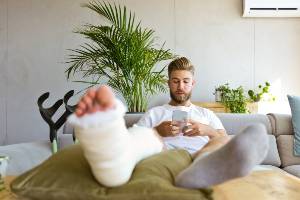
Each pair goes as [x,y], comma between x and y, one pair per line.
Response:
[168,129]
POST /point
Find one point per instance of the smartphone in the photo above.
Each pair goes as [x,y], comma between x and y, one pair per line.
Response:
[181,117]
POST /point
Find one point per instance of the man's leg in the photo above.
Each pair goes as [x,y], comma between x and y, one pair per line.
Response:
[111,150]
[212,145]
[218,162]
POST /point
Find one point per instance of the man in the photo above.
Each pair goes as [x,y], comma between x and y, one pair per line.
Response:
[107,144]
[204,129]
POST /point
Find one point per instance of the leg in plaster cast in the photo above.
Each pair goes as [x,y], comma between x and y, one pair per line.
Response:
[111,150]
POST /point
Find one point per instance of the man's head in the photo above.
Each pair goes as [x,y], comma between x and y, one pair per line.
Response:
[181,79]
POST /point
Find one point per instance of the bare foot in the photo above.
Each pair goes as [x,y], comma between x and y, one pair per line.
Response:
[94,100]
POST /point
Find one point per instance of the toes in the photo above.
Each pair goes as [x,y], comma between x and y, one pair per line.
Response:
[85,104]
[101,99]
[91,93]
[81,105]
[105,96]
[94,108]
[88,101]
[79,112]
[81,108]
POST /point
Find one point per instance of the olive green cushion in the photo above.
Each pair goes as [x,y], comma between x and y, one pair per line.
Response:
[66,175]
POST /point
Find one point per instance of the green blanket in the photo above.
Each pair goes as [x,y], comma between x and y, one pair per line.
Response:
[66,175]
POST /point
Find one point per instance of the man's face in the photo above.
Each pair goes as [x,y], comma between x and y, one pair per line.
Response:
[181,83]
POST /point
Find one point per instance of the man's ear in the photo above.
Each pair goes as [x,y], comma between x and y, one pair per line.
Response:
[194,82]
[168,82]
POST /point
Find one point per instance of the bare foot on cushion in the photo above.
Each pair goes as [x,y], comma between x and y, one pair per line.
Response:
[94,100]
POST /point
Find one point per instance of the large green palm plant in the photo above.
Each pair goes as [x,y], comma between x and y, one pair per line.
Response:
[122,53]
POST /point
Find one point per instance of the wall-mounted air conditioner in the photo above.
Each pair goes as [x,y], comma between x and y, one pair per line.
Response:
[271,8]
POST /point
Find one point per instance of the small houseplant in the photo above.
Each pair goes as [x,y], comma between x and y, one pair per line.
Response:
[122,54]
[234,99]
[219,90]
[262,93]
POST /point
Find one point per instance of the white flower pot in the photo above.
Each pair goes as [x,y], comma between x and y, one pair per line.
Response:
[218,96]
[3,165]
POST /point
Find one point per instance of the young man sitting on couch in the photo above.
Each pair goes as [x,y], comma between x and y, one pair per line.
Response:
[112,150]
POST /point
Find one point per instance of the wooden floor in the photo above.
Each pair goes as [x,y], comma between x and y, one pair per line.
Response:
[260,185]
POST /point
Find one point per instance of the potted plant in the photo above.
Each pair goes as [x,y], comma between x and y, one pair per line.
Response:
[262,93]
[122,54]
[219,90]
[233,99]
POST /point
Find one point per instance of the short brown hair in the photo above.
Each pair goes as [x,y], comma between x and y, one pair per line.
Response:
[181,63]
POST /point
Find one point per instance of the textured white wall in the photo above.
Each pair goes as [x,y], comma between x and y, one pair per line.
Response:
[224,47]
[3,64]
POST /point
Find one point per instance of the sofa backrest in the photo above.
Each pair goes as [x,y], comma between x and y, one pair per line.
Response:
[233,123]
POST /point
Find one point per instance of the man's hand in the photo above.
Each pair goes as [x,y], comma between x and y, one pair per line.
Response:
[168,129]
[198,129]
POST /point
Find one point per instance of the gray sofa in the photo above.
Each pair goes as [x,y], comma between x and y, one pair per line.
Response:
[280,156]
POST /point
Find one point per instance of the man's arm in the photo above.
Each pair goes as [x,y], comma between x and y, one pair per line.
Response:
[221,132]
[199,129]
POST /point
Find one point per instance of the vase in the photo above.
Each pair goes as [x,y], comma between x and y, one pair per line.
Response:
[218,96]
[3,165]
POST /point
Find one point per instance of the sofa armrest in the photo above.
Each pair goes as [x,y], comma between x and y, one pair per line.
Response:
[281,124]
[286,152]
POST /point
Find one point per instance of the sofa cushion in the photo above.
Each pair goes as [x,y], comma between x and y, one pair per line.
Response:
[272,157]
[23,157]
[285,148]
[281,124]
[67,175]
[234,123]
[295,109]
[293,169]
[266,167]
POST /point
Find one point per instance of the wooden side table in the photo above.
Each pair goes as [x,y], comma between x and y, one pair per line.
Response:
[213,106]
[218,107]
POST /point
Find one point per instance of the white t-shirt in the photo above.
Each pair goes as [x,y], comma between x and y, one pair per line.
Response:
[158,114]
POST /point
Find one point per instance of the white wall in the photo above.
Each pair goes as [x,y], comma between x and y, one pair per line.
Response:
[224,47]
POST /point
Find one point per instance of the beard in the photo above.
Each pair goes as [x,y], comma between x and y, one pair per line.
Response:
[180,98]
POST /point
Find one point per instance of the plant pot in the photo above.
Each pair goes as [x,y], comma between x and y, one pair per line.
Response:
[218,96]
[132,117]
[3,165]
